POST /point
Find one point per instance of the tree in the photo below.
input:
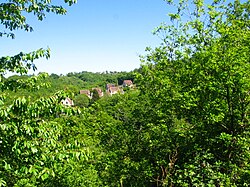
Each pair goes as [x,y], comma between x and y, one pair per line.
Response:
[34,149]
[197,82]
[54,76]
[81,100]
[95,96]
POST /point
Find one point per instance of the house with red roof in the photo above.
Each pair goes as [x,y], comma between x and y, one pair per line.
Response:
[99,90]
[113,90]
[127,83]
[109,85]
[86,92]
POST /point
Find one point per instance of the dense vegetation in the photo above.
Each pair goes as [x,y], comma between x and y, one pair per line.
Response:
[71,83]
[186,124]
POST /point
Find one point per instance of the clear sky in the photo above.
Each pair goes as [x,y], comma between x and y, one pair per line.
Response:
[95,35]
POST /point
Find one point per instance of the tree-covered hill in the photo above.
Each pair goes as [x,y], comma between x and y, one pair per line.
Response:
[70,83]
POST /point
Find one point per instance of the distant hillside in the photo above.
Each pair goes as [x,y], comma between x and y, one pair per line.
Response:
[71,83]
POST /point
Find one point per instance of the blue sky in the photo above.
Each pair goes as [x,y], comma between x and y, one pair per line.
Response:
[95,35]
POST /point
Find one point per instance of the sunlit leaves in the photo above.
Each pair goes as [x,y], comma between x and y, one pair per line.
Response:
[200,76]
[12,12]
[22,62]
[30,138]
[33,145]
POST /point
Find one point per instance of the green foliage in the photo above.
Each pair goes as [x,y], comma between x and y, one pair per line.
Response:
[12,17]
[81,100]
[100,79]
[198,82]
[35,146]
[95,96]
[29,139]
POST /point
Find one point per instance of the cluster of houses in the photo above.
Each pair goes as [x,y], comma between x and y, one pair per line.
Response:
[111,89]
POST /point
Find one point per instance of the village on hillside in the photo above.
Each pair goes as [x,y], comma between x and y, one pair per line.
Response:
[110,90]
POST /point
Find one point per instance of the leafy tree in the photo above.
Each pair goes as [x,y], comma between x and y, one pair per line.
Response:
[95,96]
[198,84]
[34,148]
[81,100]
[54,76]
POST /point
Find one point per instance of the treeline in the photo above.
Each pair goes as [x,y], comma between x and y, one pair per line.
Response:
[100,79]
[71,83]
